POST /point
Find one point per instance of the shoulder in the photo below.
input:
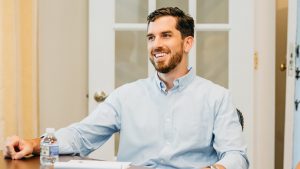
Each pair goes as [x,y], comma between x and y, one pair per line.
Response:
[132,88]
[135,85]
[209,87]
[210,93]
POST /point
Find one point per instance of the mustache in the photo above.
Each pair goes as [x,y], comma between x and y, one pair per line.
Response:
[159,49]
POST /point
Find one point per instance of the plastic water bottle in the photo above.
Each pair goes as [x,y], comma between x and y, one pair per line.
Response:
[49,148]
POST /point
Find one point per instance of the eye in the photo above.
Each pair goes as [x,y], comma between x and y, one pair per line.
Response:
[166,35]
[150,38]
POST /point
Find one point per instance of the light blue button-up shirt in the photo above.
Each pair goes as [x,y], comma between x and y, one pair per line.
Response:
[192,125]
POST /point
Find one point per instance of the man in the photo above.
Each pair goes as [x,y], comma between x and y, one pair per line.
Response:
[174,119]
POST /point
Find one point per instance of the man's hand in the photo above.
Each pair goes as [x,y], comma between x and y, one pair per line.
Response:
[17,148]
[218,166]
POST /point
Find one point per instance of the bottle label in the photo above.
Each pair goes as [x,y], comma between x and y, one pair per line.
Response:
[44,150]
[54,150]
[51,150]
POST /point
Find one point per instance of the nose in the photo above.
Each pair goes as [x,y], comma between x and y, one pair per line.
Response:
[157,42]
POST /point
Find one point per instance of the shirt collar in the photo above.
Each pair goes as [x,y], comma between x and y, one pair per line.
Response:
[179,83]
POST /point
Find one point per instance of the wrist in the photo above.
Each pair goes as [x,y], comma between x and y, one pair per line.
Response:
[216,166]
[35,145]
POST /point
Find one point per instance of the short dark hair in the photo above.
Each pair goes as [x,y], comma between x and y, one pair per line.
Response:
[185,23]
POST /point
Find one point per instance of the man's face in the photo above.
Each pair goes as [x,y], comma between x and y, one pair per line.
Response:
[165,45]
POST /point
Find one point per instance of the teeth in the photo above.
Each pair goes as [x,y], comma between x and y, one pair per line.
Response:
[160,55]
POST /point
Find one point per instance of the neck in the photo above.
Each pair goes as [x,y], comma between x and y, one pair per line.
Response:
[168,78]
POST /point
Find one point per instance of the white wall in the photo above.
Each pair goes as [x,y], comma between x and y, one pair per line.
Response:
[63,61]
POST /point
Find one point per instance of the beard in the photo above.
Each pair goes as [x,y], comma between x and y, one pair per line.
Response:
[164,67]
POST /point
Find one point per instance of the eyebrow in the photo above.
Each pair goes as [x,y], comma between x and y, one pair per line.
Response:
[150,34]
[164,32]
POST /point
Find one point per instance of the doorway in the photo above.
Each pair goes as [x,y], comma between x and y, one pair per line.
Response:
[280,76]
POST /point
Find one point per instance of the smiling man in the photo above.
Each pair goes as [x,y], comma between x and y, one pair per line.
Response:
[173,119]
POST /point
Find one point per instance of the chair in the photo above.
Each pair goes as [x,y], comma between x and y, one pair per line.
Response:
[241,118]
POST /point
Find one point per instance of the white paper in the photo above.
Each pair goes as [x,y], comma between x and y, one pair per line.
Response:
[91,164]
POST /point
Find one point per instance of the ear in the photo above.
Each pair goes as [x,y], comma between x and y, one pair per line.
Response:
[188,43]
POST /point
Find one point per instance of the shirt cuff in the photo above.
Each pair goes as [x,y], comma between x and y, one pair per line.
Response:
[234,160]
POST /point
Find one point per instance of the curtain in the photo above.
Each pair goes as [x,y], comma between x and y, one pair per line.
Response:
[18,68]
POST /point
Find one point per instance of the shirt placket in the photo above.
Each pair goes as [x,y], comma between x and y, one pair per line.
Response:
[168,133]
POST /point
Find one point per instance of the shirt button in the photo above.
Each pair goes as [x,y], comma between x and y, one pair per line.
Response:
[162,161]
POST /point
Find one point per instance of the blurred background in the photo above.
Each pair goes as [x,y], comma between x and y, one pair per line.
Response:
[60,57]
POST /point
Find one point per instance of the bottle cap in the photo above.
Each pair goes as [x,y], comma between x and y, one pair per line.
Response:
[50,130]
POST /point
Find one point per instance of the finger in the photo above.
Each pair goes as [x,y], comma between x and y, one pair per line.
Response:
[19,155]
[8,151]
[11,142]
[25,149]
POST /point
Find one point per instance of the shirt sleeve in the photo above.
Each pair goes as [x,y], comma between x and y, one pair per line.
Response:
[93,131]
[228,136]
